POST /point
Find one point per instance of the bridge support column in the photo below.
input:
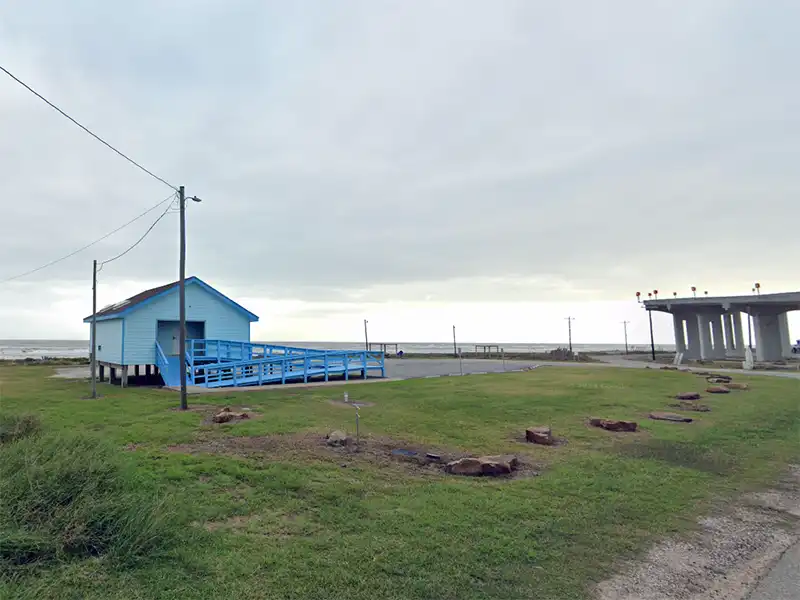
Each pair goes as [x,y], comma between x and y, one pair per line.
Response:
[738,333]
[680,339]
[768,337]
[730,343]
[706,346]
[693,335]
[786,341]
[719,341]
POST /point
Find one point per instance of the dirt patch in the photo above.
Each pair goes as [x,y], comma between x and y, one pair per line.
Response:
[228,415]
[236,522]
[382,452]
[209,410]
[680,454]
[356,403]
[723,559]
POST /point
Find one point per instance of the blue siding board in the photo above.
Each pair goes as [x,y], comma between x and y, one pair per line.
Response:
[109,341]
[223,320]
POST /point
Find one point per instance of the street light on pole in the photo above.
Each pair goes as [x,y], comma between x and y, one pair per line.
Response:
[366,336]
[182,294]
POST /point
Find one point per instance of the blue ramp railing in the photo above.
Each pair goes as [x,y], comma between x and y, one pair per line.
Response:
[161,361]
[219,363]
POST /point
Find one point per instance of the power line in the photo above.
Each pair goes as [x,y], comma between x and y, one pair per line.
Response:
[97,241]
[86,129]
[149,229]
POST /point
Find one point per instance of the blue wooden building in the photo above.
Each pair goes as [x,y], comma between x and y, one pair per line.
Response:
[142,333]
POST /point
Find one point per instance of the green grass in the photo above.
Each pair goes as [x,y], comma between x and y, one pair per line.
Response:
[301,526]
[71,496]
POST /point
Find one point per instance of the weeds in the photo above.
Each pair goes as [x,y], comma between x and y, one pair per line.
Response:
[73,496]
[14,427]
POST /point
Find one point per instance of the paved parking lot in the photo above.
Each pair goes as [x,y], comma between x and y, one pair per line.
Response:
[409,368]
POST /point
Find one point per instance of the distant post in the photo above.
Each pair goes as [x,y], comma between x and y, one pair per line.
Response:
[366,336]
[455,349]
[652,340]
[94,329]
[569,331]
[625,329]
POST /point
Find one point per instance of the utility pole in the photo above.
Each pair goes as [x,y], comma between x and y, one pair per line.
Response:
[625,329]
[569,329]
[94,329]
[182,294]
[652,340]
[182,301]
[366,336]
[455,349]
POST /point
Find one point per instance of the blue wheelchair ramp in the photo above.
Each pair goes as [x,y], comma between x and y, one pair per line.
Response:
[223,363]
[172,373]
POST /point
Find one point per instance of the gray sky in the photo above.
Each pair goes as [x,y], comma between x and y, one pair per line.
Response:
[380,157]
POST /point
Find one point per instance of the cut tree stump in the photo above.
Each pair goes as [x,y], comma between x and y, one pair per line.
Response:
[613,424]
[664,416]
[540,435]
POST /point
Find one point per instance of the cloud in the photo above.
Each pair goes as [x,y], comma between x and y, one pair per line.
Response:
[377,150]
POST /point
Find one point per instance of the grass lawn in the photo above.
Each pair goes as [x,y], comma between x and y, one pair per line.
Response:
[298,524]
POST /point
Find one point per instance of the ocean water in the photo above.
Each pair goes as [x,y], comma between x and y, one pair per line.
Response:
[19,349]
[16,349]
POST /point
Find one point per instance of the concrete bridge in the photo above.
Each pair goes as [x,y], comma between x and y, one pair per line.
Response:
[711,327]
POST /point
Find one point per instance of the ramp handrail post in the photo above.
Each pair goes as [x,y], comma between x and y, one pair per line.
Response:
[326,366]
[346,368]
